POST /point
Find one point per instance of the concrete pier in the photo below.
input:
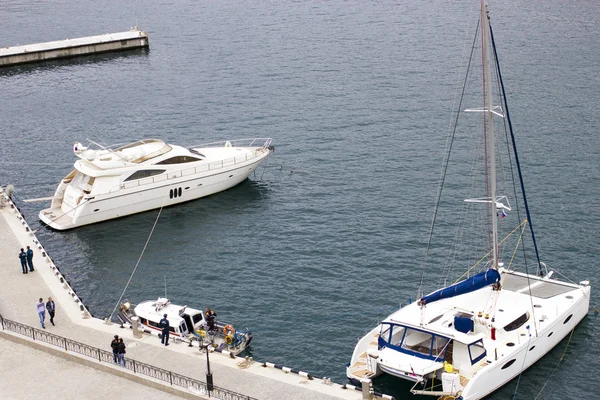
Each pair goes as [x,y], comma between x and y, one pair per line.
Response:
[258,380]
[73,47]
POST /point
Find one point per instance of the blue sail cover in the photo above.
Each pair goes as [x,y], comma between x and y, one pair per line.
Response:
[471,284]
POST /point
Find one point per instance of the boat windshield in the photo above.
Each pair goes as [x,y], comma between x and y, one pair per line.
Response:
[413,341]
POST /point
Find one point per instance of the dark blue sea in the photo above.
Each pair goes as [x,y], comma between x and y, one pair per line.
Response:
[329,236]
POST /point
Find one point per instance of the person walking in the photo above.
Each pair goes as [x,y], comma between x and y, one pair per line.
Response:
[23,258]
[164,324]
[41,309]
[30,258]
[51,307]
[121,352]
[115,348]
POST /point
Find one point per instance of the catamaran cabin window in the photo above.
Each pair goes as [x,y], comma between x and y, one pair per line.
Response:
[440,344]
[517,323]
[178,160]
[413,341]
[145,173]
[476,351]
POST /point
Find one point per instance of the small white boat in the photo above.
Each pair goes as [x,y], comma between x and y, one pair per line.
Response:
[186,324]
[468,339]
[114,182]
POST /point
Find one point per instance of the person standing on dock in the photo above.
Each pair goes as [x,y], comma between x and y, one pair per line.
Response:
[23,258]
[41,309]
[30,259]
[164,324]
[121,352]
[115,348]
[51,307]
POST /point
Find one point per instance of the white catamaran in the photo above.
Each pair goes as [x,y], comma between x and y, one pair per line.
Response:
[466,340]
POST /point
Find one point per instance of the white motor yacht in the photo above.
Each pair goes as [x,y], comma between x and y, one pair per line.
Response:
[467,339]
[114,182]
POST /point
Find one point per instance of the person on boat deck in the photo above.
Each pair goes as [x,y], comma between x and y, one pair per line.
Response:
[211,317]
[23,258]
[30,258]
[164,324]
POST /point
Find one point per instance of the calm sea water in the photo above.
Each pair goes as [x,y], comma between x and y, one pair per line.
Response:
[329,237]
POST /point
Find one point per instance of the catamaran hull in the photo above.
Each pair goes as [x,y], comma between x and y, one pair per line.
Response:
[128,201]
[526,353]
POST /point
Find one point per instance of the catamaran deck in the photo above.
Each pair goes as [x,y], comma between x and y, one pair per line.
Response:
[544,290]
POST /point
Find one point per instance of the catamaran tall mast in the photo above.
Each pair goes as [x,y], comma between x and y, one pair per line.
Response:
[490,129]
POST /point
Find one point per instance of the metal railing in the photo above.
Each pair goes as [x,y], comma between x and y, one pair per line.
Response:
[107,357]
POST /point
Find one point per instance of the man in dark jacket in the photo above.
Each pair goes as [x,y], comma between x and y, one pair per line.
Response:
[23,258]
[115,348]
[164,324]
[30,258]
[210,316]
[51,307]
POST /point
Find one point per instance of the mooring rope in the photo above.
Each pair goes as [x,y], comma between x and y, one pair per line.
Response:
[139,259]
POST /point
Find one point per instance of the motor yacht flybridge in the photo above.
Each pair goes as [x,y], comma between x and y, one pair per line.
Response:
[114,182]
[466,340]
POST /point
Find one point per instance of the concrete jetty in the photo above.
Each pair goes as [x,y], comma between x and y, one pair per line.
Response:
[132,39]
[244,378]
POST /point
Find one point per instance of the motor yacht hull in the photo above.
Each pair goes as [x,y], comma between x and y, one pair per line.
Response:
[127,198]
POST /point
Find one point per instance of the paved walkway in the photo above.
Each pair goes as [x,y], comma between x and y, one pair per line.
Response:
[20,293]
[28,374]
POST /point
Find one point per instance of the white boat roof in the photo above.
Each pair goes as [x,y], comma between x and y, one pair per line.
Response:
[148,152]
[154,310]
[513,301]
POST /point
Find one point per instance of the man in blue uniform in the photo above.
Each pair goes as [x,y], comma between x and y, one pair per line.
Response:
[30,258]
[164,324]
[23,258]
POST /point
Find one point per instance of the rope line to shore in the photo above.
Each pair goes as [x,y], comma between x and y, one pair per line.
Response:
[139,259]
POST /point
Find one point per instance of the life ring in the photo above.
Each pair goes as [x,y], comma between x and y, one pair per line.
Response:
[228,340]
[228,330]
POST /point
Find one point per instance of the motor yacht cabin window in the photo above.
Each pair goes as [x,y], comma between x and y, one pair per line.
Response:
[80,180]
[517,323]
[197,152]
[178,160]
[145,173]
[197,318]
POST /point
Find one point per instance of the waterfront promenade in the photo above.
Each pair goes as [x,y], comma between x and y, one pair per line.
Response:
[21,291]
